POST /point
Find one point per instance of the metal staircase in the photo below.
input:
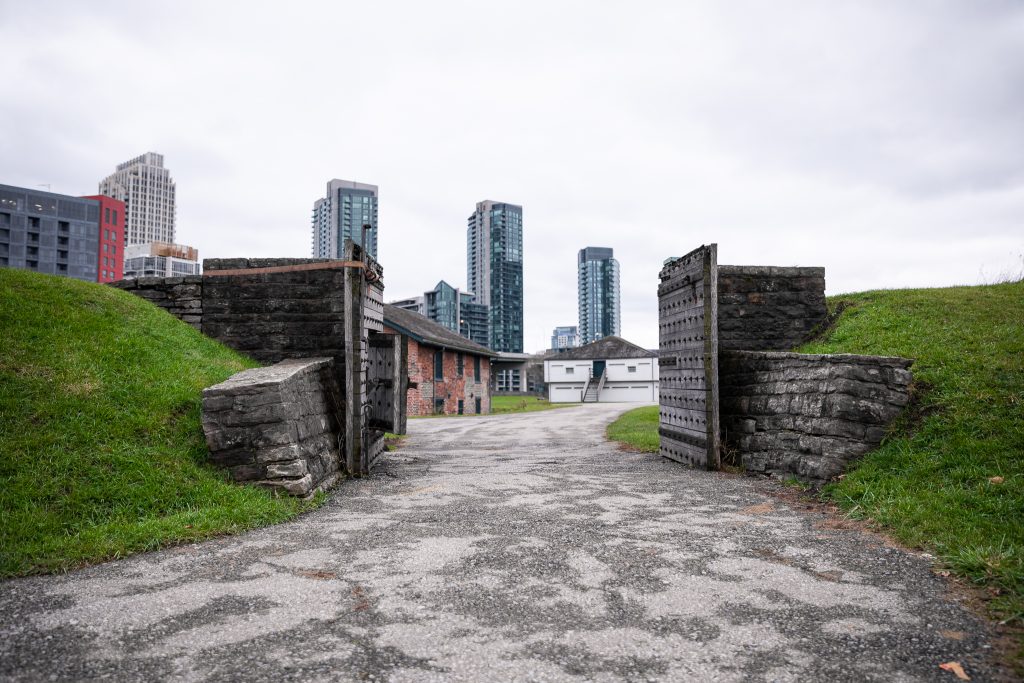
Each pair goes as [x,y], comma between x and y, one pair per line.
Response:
[593,389]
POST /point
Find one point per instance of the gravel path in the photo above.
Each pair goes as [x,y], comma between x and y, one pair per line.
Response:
[520,547]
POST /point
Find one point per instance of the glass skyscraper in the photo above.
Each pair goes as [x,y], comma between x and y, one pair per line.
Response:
[598,277]
[494,270]
[341,215]
[565,337]
[453,308]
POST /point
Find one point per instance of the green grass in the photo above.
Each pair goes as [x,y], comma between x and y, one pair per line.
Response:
[523,404]
[101,450]
[637,428]
[930,483]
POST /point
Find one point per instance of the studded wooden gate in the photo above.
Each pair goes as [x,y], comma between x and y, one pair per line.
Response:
[688,359]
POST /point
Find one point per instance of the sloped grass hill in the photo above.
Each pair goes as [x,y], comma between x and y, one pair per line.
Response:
[101,449]
[951,478]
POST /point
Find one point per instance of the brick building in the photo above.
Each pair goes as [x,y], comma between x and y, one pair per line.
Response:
[79,237]
[448,374]
[110,255]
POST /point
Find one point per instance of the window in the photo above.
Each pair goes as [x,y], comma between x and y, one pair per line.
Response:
[459,364]
[570,371]
[439,364]
[33,222]
[476,369]
[106,215]
[630,368]
[115,217]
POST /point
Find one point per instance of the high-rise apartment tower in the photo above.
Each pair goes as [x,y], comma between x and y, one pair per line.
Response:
[148,193]
[341,215]
[494,270]
[600,312]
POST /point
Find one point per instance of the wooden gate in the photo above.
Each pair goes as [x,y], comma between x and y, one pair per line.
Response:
[387,381]
[688,359]
[376,376]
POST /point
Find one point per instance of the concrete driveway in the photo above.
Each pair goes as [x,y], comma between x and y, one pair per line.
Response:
[519,547]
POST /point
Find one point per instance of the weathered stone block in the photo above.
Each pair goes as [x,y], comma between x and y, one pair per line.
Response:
[276,425]
[813,414]
[295,468]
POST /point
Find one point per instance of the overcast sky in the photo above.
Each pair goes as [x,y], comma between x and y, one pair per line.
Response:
[881,140]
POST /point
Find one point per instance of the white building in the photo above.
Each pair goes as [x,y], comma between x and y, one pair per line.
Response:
[609,370]
[159,259]
[148,193]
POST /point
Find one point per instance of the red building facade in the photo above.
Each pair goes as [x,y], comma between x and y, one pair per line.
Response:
[448,374]
[110,257]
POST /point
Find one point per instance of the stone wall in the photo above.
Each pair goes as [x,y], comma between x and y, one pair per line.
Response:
[807,415]
[277,426]
[270,317]
[767,308]
[182,297]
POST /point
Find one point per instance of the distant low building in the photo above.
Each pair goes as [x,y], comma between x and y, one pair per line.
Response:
[448,374]
[160,259]
[566,337]
[609,370]
[79,237]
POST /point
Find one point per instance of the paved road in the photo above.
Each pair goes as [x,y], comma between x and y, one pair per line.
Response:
[508,548]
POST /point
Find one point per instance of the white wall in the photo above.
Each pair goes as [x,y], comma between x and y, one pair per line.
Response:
[644,370]
[565,393]
[567,370]
[625,392]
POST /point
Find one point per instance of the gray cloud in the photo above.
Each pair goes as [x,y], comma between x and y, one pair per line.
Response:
[881,140]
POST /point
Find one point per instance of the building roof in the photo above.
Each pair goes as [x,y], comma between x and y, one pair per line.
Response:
[426,331]
[605,348]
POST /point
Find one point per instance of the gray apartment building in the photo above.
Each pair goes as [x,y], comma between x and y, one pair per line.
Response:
[494,270]
[341,215]
[49,233]
[600,306]
[149,196]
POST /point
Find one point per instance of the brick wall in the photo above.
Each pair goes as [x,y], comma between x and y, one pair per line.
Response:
[277,426]
[808,415]
[420,400]
[767,308]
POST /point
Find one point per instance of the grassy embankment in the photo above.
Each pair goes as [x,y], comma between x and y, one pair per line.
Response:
[504,405]
[101,450]
[950,477]
[523,404]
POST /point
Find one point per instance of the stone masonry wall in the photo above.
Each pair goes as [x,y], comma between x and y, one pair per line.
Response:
[808,415]
[182,297]
[277,426]
[767,308]
[270,317]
